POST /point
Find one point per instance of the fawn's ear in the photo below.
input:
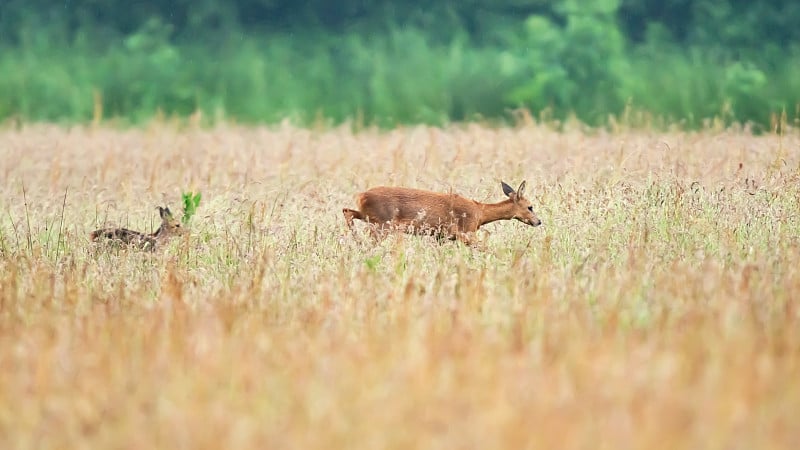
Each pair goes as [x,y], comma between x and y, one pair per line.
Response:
[521,189]
[508,190]
[164,213]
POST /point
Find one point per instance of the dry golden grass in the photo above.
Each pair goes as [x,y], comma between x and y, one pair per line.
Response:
[657,307]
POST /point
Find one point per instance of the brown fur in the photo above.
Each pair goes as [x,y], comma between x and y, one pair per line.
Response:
[424,212]
[169,227]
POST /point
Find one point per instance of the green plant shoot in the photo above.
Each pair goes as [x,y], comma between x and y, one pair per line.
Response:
[191,201]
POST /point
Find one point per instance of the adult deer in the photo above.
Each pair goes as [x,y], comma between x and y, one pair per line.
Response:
[444,215]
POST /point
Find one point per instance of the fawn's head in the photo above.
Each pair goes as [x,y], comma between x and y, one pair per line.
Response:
[523,210]
[169,225]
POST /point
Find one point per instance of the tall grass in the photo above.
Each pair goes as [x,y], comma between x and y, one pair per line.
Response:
[656,307]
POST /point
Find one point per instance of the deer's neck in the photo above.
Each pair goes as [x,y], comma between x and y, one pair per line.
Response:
[491,212]
[159,232]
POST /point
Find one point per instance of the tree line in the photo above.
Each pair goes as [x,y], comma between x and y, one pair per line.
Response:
[401,61]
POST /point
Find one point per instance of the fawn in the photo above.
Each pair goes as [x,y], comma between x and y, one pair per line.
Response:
[169,227]
[444,215]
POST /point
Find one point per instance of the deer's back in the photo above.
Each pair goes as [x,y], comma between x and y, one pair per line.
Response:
[124,236]
[384,204]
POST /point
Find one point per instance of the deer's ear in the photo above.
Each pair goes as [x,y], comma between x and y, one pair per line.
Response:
[508,190]
[164,212]
[521,188]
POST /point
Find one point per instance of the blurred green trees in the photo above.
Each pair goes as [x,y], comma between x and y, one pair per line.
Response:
[388,62]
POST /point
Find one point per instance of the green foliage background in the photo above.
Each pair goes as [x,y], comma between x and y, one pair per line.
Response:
[387,62]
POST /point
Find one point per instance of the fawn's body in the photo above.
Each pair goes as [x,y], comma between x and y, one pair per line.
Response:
[169,227]
[447,215]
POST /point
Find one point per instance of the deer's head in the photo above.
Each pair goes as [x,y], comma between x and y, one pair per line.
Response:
[169,224]
[523,210]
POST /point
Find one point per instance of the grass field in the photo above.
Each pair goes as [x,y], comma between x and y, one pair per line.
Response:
[658,306]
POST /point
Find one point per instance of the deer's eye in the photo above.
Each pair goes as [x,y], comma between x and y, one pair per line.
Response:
[530,208]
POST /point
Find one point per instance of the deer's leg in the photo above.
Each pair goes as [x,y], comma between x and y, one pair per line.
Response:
[454,233]
[378,232]
[350,215]
[465,239]
[373,231]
